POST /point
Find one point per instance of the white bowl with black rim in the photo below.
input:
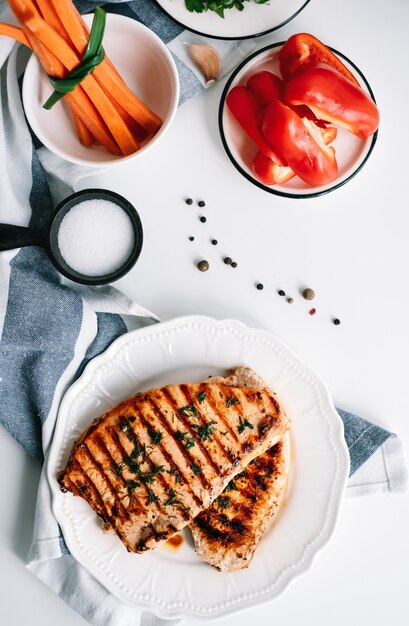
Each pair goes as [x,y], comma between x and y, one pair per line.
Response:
[352,152]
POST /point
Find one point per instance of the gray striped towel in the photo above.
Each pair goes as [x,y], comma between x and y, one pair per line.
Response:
[50,329]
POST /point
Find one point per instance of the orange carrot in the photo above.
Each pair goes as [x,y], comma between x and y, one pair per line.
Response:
[84,134]
[14,33]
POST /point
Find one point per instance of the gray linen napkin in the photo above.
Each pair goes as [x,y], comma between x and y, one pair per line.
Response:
[50,329]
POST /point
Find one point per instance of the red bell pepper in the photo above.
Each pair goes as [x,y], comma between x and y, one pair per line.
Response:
[334,98]
[265,87]
[271,173]
[304,49]
[299,142]
[243,106]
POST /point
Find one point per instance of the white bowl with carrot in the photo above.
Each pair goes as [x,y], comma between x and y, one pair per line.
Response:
[121,109]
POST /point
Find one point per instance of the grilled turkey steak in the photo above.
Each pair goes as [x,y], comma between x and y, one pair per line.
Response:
[151,464]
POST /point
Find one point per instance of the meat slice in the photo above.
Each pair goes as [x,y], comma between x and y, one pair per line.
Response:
[226,534]
[154,462]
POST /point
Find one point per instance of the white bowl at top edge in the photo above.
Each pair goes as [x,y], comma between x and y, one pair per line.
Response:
[145,64]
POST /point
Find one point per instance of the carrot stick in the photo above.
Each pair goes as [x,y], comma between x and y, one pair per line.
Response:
[84,134]
[48,13]
[85,110]
[14,32]
[106,73]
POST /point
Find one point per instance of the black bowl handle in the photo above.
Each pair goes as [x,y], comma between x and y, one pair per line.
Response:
[19,236]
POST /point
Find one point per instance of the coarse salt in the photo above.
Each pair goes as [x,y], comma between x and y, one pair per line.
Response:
[96,237]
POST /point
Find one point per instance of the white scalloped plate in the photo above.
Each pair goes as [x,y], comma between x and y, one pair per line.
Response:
[178,584]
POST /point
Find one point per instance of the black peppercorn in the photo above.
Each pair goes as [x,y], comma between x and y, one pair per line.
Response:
[234,264]
[203,266]
[281,292]
[201,203]
[203,219]
[189,201]
[336,321]
[191,238]
[259,286]
[227,260]
[214,242]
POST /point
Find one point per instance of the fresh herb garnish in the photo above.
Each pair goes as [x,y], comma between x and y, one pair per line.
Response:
[196,468]
[218,6]
[172,498]
[231,401]
[155,435]
[222,502]
[243,424]
[118,467]
[132,484]
[132,464]
[94,54]
[190,442]
[205,431]
[175,473]
[152,497]
[201,396]
[231,486]
[149,477]
[179,435]
[188,411]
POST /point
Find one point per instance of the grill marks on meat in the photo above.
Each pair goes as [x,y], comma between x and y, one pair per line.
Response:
[226,534]
[154,462]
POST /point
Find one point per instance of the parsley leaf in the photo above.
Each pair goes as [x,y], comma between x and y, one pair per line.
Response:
[243,424]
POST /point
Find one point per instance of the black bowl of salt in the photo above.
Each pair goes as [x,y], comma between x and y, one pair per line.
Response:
[95,237]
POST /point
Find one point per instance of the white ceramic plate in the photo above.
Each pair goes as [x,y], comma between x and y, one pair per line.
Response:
[178,584]
[148,69]
[254,20]
[351,152]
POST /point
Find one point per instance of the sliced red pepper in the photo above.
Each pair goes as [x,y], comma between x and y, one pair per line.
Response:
[299,142]
[304,49]
[334,98]
[243,106]
[265,87]
[271,173]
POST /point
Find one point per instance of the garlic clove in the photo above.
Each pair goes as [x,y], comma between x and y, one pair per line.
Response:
[207,59]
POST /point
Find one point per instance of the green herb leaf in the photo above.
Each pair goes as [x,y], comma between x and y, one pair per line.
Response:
[231,401]
[201,396]
[195,6]
[179,435]
[152,497]
[188,411]
[231,486]
[155,435]
[93,56]
[118,468]
[196,468]
[222,502]
[190,442]
[132,484]
[243,424]
[149,477]
[205,431]
[172,498]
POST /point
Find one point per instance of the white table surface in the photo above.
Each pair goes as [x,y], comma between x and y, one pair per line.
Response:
[351,246]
